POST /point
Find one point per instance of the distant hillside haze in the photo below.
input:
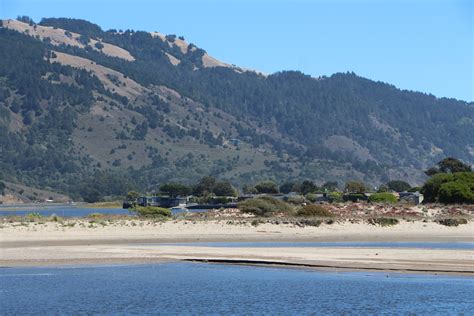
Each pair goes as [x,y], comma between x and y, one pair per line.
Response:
[125,109]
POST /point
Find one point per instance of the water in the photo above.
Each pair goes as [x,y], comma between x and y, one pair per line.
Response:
[423,245]
[187,288]
[64,211]
[71,211]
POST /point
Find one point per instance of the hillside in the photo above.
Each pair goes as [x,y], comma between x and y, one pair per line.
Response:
[90,112]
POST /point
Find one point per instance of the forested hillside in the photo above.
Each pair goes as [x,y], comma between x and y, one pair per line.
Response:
[89,112]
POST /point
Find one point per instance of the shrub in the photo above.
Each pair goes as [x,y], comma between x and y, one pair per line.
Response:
[311,222]
[383,221]
[383,197]
[31,217]
[452,221]
[296,199]
[264,206]
[449,188]
[266,187]
[354,197]
[313,210]
[152,211]
[95,215]
[335,197]
[455,192]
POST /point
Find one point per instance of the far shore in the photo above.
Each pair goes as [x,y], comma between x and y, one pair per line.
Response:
[144,241]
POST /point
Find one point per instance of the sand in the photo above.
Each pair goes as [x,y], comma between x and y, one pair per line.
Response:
[126,241]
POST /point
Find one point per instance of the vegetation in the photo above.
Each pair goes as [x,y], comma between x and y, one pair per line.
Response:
[266,187]
[265,206]
[384,197]
[355,187]
[384,221]
[152,212]
[452,221]
[398,186]
[313,210]
[449,165]
[448,188]
[288,116]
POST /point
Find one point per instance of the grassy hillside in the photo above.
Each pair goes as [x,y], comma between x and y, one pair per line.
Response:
[86,111]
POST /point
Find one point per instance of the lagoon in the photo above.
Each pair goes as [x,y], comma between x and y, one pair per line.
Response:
[188,288]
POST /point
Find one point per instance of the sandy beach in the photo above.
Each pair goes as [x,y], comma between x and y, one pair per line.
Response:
[141,241]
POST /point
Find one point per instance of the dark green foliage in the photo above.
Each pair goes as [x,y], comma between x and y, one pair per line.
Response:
[398,186]
[456,192]
[2,188]
[449,188]
[269,187]
[383,197]
[265,206]
[314,210]
[224,188]
[384,221]
[354,197]
[452,221]
[175,189]
[449,165]
[304,111]
[152,212]
[355,187]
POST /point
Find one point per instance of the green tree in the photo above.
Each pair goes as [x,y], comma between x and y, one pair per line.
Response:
[175,189]
[132,196]
[449,188]
[398,186]
[205,186]
[355,187]
[267,187]
[308,187]
[449,165]
[224,188]
[287,187]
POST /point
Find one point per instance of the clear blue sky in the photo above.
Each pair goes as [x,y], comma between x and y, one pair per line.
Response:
[417,45]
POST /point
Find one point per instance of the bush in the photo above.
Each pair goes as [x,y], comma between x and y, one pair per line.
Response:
[267,187]
[449,188]
[354,197]
[264,206]
[296,199]
[313,210]
[452,221]
[383,197]
[383,221]
[335,197]
[152,211]
[455,192]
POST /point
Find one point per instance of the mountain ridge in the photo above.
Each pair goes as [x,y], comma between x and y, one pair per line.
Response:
[184,120]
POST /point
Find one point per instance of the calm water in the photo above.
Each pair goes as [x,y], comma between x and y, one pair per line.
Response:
[64,211]
[185,288]
[425,245]
[71,211]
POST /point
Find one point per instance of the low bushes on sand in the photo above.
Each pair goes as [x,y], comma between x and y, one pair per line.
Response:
[383,197]
[452,221]
[383,221]
[264,206]
[152,211]
[313,210]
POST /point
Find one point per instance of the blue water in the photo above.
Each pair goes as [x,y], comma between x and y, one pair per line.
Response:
[64,211]
[425,245]
[186,288]
[70,211]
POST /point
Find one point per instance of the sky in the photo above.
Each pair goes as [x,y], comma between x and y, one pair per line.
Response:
[420,45]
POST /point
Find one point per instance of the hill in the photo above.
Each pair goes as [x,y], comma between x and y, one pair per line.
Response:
[89,112]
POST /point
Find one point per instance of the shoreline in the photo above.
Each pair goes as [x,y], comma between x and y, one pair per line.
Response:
[126,242]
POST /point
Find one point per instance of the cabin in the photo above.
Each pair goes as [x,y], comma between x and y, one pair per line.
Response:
[412,197]
[160,201]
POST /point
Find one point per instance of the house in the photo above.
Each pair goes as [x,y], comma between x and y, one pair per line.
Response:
[160,201]
[413,197]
